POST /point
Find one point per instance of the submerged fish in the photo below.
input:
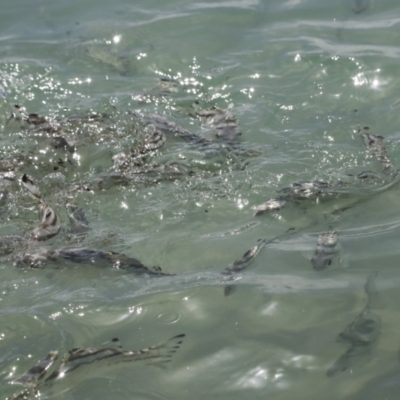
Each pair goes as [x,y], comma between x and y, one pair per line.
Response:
[248,257]
[305,190]
[108,55]
[296,191]
[90,362]
[361,334]
[77,219]
[377,147]
[164,124]
[225,123]
[81,255]
[360,5]
[324,252]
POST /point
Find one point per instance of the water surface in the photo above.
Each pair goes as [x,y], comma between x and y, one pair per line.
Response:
[292,73]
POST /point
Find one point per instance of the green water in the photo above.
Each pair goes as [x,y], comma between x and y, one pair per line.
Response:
[292,73]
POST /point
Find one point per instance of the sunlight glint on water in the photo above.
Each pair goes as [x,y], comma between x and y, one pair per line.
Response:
[292,73]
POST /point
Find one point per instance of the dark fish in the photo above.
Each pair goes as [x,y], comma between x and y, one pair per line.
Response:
[296,191]
[59,142]
[325,250]
[248,257]
[305,190]
[377,147]
[360,5]
[361,334]
[34,122]
[226,124]
[164,124]
[9,244]
[90,256]
[154,140]
[78,222]
[90,362]
[11,162]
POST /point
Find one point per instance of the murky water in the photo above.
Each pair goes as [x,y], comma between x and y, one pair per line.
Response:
[292,73]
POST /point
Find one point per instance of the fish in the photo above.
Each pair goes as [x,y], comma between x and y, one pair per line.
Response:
[296,191]
[31,187]
[270,205]
[151,140]
[312,190]
[377,147]
[305,190]
[59,142]
[81,255]
[89,362]
[360,5]
[107,55]
[11,243]
[360,334]
[248,257]
[325,250]
[225,123]
[164,124]
[78,222]
[50,224]
[154,140]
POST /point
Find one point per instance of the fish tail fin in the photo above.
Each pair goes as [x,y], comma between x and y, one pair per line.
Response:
[161,354]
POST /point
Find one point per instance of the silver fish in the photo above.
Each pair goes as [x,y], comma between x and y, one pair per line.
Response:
[325,250]
[93,362]
[361,334]
[270,205]
[50,224]
[30,186]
